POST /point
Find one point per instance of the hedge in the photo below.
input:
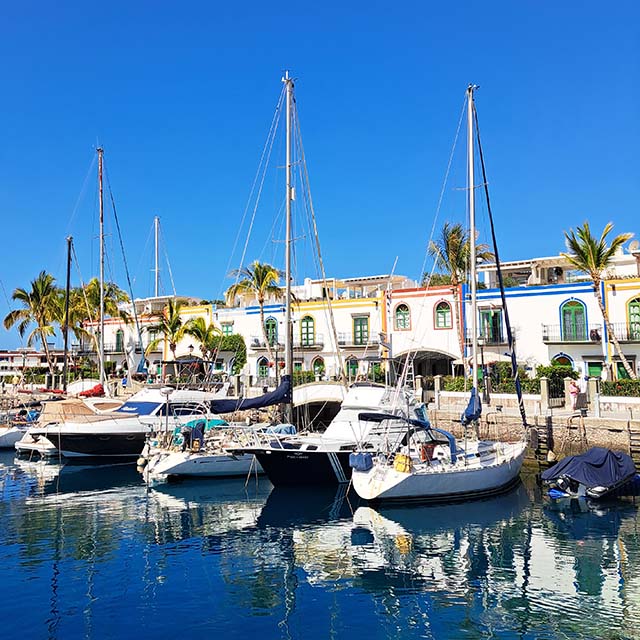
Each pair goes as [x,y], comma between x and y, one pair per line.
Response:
[627,388]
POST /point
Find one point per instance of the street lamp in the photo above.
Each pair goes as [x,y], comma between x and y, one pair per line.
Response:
[485,385]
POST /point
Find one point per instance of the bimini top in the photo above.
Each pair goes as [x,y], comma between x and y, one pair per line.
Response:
[598,467]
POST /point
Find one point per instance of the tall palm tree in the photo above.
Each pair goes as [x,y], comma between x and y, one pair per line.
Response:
[261,280]
[206,335]
[84,305]
[593,256]
[169,326]
[41,305]
[452,251]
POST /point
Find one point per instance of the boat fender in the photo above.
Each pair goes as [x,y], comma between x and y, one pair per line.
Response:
[551,457]
[141,462]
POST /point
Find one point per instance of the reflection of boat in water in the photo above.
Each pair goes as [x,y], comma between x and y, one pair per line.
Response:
[298,506]
[54,479]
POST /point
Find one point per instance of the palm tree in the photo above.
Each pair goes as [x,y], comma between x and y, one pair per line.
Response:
[261,280]
[84,304]
[452,251]
[593,257]
[41,306]
[170,326]
[207,335]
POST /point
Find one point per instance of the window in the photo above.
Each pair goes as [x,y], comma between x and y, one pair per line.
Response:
[352,368]
[402,317]
[622,372]
[271,329]
[227,328]
[318,366]
[443,315]
[297,367]
[594,369]
[307,331]
[119,340]
[491,325]
[564,360]
[574,322]
[634,319]
[361,330]
[263,368]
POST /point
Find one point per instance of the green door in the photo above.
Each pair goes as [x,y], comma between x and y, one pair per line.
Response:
[574,326]
[622,372]
[594,369]
[634,319]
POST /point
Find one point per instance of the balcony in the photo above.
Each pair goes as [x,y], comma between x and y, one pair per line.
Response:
[492,338]
[626,332]
[571,334]
[258,343]
[358,340]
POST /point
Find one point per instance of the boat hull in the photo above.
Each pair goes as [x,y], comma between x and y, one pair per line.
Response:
[105,445]
[201,465]
[9,436]
[384,483]
[288,467]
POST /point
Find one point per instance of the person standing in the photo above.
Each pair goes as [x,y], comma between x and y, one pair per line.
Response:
[574,390]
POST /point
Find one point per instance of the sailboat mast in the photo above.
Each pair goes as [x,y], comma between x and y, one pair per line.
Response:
[65,330]
[101,204]
[472,237]
[288,362]
[156,228]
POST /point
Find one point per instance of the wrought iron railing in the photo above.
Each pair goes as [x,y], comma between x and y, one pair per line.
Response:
[626,332]
[558,333]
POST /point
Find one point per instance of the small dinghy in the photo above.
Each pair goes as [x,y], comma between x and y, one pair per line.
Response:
[594,474]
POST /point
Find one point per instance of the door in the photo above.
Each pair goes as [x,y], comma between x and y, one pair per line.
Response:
[574,326]
[634,319]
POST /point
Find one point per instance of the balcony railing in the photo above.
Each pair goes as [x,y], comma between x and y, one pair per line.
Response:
[626,332]
[317,342]
[557,333]
[491,338]
[357,340]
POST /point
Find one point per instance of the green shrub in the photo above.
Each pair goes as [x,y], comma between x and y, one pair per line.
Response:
[627,388]
[556,372]
[303,377]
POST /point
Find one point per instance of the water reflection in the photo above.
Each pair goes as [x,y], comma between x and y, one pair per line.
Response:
[78,544]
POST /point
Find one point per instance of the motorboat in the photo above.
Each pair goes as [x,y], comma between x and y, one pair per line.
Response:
[122,432]
[597,473]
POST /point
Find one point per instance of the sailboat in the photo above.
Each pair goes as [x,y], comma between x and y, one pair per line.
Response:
[430,464]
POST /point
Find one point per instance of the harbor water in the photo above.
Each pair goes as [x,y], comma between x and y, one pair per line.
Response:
[91,552]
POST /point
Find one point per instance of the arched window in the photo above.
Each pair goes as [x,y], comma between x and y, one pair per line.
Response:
[634,319]
[562,359]
[271,329]
[263,368]
[574,321]
[307,331]
[351,365]
[443,315]
[119,340]
[318,366]
[402,317]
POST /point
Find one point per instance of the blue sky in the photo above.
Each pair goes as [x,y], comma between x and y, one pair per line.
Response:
[181,96]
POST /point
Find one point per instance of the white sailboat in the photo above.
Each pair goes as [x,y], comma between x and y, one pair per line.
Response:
[429,464]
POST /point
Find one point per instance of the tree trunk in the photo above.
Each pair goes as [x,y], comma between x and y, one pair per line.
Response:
[612,335]
[47,355]
[457,318]
[264,332]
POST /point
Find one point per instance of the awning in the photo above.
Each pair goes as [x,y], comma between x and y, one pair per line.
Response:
[489,357]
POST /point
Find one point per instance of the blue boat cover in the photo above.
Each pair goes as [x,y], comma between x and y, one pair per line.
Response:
[598,467]
[473,410]
[279,395]
[361,461]
[282,429]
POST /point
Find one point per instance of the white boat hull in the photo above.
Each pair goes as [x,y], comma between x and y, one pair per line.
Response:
[202,465]
[9,436]
[443,481]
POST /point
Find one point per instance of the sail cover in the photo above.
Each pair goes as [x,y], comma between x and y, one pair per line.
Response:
[598,467]
[473,410]
[279,395]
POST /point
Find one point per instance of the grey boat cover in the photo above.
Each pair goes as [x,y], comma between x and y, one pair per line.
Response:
[598,467]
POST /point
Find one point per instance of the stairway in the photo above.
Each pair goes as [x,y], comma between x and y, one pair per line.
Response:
[634,441]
